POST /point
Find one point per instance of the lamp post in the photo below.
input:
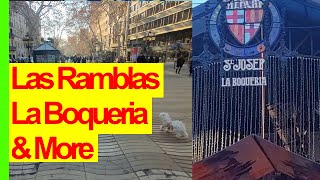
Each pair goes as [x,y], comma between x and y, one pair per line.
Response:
[98,48]
[148,38]
[28,40]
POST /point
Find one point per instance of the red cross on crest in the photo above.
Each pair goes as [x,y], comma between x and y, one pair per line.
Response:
[244,19]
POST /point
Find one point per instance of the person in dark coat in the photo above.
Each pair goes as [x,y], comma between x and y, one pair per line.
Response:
[190,67]
[84,60]
[180,62]
[151,60]
[157,59]
[141,59]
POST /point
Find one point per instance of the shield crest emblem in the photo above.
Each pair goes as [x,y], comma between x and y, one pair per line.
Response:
[244,23]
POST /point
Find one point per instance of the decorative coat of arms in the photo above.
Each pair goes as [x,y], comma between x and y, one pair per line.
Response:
[245,20]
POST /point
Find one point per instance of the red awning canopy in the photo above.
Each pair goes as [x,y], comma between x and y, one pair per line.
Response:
[254,158]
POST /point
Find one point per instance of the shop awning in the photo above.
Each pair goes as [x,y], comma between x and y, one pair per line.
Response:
[253,158]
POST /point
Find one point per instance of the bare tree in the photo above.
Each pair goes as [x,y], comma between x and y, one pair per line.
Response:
[34,11]
[56,24]
[117,14]
[92,15]
[84,17]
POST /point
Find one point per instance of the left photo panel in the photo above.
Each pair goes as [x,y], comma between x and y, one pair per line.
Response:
[97,37]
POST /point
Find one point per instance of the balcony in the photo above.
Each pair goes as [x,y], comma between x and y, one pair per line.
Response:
[11,36]
[182,25]
[12,48]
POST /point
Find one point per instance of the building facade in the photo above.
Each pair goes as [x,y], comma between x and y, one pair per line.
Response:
[150,26]
[23,21]
[159,26]
[110,28]
[18,29]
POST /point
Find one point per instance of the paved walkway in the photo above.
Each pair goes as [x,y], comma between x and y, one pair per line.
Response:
[158,156]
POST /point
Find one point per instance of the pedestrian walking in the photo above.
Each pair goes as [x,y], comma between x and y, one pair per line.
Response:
[180,62]
[141,58]
[151,60]
[120,59]
[83,60]
[190,66]
[78,59]
[157,59]
[164,56]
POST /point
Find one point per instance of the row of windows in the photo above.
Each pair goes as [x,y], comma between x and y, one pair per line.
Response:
[154,10]
[17,33]
[171,19]
[138,5]
[17,20]
[17,44]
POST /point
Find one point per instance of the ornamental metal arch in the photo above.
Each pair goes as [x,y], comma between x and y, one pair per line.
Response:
[223,116]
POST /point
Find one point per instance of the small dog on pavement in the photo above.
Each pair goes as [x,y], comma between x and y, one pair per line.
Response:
[166,122]
[175,126]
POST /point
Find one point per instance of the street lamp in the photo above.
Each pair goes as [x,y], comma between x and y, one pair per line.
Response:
[148,38]
[28,40]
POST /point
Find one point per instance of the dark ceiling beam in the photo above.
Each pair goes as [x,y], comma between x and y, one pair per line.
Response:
[309,4]
[303,41]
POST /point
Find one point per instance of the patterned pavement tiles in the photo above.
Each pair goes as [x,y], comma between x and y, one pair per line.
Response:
[159,156]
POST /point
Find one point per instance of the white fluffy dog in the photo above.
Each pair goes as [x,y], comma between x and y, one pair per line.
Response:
[176,126]
[179,129]
[166,122]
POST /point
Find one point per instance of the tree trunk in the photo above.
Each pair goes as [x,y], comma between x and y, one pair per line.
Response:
[101,41]
[119,36]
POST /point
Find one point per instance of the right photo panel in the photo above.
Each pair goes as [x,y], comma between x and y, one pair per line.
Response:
[256,89]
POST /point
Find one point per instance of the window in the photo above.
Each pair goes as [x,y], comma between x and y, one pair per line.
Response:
[155,23]
[180,14]
[173,3]
[170,19]
[185,14]
[166,20]
[159,22]
[158,8]
[167,5]
[148,12]
[161,6]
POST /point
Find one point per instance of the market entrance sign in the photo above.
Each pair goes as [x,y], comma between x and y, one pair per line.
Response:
[244,65]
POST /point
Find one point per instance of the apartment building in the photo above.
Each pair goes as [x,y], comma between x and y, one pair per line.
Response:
[160,26]
[20,26]
[126,25]
[18,29]
[110,30]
